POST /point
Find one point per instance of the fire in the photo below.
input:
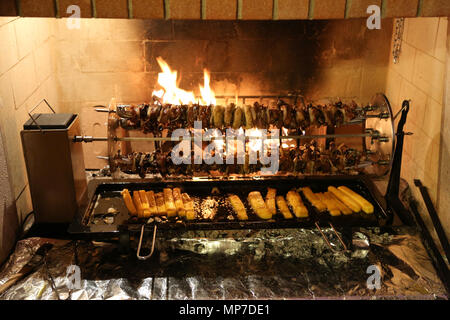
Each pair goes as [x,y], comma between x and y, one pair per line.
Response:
[172,94]
[254,144]
[287,143]
[208,97]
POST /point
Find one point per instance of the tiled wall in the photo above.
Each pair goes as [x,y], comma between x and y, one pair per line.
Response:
[420,76]
[27,75]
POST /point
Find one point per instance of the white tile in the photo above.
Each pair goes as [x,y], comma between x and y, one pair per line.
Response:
[6,94]
[404,67]
[43,29]
[25,35]
[97,29]
[393,84]
[8,47]
[24,80]
[44,61]
[68,56]
[422,33]
[5,20]
[422,148]
[429,75]
[51,93]
[418,102]
[440,50]
[432,119]
[111,56]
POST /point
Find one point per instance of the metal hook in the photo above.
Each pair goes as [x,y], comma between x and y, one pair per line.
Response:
[400,111]
[33,119]
[140,244]
[338,236]
[323,236]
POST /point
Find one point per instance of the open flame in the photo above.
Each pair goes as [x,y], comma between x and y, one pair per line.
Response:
[172,94]
[208,97]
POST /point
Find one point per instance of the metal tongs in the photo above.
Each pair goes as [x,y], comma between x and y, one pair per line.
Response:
[316,222]
[138,253]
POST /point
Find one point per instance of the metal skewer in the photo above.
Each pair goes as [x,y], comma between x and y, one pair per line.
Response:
[373,135]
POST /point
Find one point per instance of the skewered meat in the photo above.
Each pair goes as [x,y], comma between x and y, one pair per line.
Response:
[155,117]
[248,113]
[228,115]
[217,116]
[238,117]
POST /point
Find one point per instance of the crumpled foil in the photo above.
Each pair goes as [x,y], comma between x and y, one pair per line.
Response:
[238,264]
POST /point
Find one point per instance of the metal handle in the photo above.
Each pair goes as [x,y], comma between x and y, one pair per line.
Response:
[33,119]
[138,253]
[326,240]
[434,217]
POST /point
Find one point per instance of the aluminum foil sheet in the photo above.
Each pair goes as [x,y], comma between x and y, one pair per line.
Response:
[242,264]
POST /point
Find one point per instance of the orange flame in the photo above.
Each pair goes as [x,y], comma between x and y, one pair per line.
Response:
[171,93]
[208,97]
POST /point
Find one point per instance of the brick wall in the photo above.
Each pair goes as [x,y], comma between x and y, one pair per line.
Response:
[226,9]
[27,75]
[420,76]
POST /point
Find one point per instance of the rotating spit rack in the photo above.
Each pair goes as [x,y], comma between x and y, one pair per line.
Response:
[375,127]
